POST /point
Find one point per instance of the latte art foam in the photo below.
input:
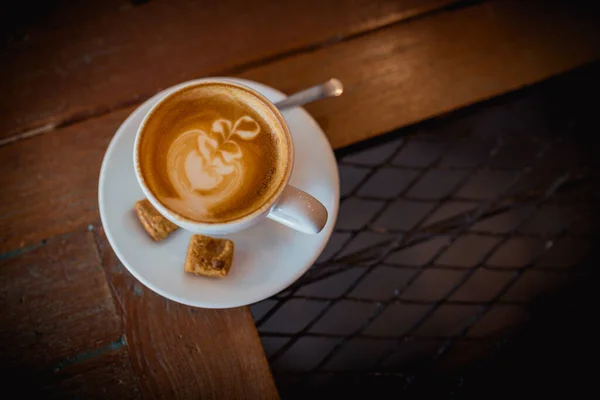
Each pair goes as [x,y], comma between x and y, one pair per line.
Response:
[205,168]
[213,153]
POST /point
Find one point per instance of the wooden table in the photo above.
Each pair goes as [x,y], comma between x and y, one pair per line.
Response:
[74,322]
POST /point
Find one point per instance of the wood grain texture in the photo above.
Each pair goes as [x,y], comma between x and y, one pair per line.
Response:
[185,352]
[410,72]
[59,329]
[49,183]
[107,375]
[394,77]
[104,376]
[95,57]
[55,302]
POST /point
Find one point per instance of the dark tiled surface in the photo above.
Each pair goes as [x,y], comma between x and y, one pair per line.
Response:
[419,154]
[411,354]
[387,182]
[397,319]
[499,318]
[437,184]
[450,209]
[517,252]
[420,254]
[365,240]
[332,286]
[432,285]
[272,344]
[549,219]
[469,152]
[487,184]
[383,283]
[534,283]
[336,243]
[350,178]
[356,213]
[464,353]
[260,309]
[403,215]
[304,354]
[564,254]
[503,223]
[516,154]
[467,251]
[444,241]
[447,320]
[355,314]
[482,286]
[293,316]
[375,155]
[358,354]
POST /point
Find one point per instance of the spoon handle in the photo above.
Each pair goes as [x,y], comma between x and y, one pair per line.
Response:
[330,88]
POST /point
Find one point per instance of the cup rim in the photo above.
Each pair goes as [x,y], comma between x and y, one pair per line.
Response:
[181,220]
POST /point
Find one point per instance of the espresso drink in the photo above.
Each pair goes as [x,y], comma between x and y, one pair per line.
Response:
[213,152]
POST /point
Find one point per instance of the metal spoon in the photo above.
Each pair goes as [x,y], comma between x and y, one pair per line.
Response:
[330,88]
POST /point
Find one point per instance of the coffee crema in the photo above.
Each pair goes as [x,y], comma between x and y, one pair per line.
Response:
[213,152]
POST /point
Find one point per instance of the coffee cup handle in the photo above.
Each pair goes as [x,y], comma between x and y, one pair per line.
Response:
[299,210]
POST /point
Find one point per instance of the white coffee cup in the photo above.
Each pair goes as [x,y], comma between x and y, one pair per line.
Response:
[290,206]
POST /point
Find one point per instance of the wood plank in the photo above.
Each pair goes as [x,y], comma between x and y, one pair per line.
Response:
[105,376]
[49,183]
[394,77]
[68,65]
[410,72]
[55,303]
[185,352]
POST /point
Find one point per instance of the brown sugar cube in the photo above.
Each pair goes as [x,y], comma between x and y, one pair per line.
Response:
[157,226]
[209,256]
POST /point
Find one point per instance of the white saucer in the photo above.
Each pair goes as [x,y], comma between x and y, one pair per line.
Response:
[268,257]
